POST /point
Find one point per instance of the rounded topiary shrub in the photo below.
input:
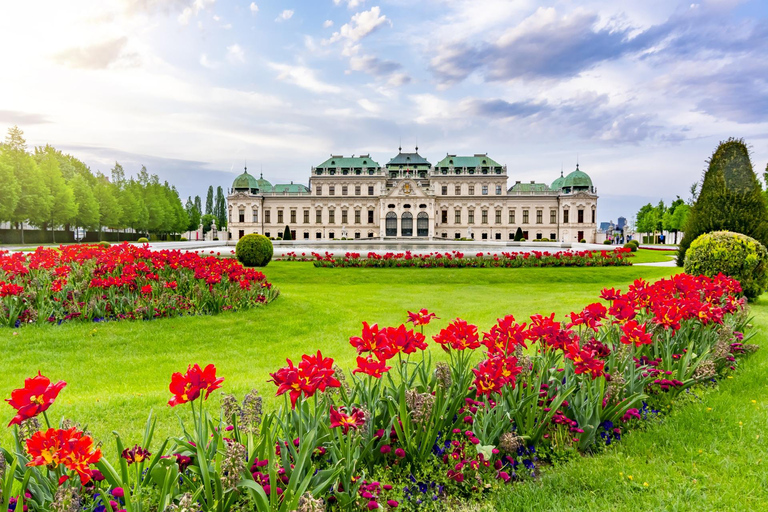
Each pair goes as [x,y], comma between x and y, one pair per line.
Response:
[142,240]
[254,250]
[732,254]
[635,243]
[607,242]
[105,244]
[631,247]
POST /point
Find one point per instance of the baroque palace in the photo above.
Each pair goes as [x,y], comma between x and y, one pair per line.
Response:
[409,198]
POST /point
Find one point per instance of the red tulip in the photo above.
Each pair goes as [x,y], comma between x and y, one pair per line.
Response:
[37,395]
[346,421]
[189,386]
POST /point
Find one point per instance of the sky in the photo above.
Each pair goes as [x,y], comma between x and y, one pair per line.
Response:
[638,92]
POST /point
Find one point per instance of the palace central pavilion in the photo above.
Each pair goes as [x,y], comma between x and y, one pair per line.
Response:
[410,198]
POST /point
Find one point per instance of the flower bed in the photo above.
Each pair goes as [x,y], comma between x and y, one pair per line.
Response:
[457,259]
[118,282]
[399,432]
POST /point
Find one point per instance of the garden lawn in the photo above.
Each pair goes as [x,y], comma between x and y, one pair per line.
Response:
[117,371]
[651,256]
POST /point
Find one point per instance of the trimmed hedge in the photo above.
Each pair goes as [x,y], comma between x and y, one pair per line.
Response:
[254,250]
[142,240]
[733,254]
[631,247]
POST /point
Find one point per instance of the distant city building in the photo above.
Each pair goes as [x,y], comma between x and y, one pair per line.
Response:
[409,198]
[622,223]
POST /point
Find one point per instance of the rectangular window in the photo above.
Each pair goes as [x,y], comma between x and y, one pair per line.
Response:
[498,190]
[319,190]
[267,235]
[525,216]
[267,216]
[511,216]
[370,190]
[331,217]
[593,216]
[498,216]
[357,190]
[344,190]
[457,216]
[370,216]
[457,235]
[241,215]
[293,216]
[357,216]
[306,216]
[444,216]
[471,190]
[553,216]
[565,216]
[319,216]
[357,235]
[581,216]
[279,216]
[485,190]
[318,235]
[485,236]
[539,217]
[458,190]
[332,235]
[484,216]
[331,190]
[470,216]
[445,190]
[255,216]
[538,236]
[344,218]
[552,236]
[306,235]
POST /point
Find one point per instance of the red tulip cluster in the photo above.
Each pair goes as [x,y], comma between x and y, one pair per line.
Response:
[70,448]
[94,283]
[456,259]
[314,373]
[355,419]
[376,346]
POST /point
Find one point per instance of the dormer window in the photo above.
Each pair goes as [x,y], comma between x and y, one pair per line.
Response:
[450,162]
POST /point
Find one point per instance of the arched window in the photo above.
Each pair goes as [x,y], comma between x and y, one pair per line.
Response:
[406,224]
[422,224]
[391,224]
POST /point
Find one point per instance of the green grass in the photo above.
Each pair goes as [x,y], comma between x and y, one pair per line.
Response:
[118,371]
[651,256]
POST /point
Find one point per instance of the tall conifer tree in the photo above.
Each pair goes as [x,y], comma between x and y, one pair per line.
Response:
[731,198]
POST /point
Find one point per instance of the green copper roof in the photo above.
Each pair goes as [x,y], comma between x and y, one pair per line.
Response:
[351,162]
[290,188]
[529,187]
[467,161]
[577,179]
[245,182]
[408,159]
[558,183]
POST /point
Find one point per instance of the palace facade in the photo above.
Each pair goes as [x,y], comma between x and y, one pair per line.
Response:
[410,198]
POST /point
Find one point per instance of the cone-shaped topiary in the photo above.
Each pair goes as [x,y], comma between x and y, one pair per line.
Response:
[287,234]
[254,250]
[519,235]
[730,199]
[733,254]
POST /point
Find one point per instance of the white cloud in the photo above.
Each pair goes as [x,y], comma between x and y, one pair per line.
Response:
[235,54]
[327,23]
[216,17]
[370,106]
[303,77]
[207,63]
[362,24]
[285,15]
[254,7]
[193,10]
[351,4]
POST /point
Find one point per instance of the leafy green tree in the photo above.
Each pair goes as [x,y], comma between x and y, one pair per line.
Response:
[209,201]
[675,216]
[647,220]
[220,209]
[87,205]
[730,198]
[110,210]
[10,190]
[63,205]
[34,204]
[207,221]
[180,220]
[193,214]
[198,205]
